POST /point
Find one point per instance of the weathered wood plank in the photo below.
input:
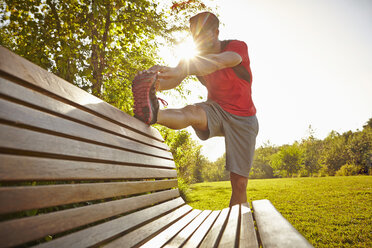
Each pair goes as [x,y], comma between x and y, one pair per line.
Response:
[146,232]
[248,237]
[48,104]
[24,116]
[162,238]
[24,168]
[104,232]
[230,233]
[15,199]
[181,238]
[32,141]
[274,230]
[200,233]
[36,227]
[214,234]
[18,67]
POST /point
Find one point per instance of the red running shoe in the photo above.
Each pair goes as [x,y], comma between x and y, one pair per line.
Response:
[146,105]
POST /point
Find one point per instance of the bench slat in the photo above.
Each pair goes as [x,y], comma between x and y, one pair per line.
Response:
[39,226]
[104,232]
[230,232]
[36,100]
[248,237]
[19,67]
[184,235]
[15,199]
[200,233]
[215,232]
[274,229]
[146,232]
[31,141]
[25,116]
[24,168]
[162,238]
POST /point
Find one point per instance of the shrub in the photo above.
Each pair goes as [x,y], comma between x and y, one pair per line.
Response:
[349,170]
[323,171]
[303,173]
[183,187]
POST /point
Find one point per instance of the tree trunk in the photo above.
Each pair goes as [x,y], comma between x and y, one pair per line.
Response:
[98,58]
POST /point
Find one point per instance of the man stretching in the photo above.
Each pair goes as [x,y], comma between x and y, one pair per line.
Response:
[223,67]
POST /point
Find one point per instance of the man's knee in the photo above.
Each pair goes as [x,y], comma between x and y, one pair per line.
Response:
[197,116]
[192,111]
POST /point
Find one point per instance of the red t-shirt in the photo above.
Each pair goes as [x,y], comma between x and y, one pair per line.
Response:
[231,92]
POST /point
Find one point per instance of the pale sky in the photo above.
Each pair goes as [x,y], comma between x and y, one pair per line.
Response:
[311,63]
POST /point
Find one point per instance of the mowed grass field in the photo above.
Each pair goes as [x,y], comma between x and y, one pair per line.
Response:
[328,211]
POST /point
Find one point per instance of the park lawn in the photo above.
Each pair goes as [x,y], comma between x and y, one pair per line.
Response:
[328,211]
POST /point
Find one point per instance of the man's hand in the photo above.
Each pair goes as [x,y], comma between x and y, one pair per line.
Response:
[157,68]
[170,73]
[170,77]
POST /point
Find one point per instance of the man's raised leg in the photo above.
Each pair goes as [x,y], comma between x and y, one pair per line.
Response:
[191,115]
[239,189]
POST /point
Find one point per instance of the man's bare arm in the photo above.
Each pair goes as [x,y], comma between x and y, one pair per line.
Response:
[204,65]
[171,77]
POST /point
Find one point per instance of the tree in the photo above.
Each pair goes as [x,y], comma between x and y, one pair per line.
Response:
[186,154]
[311,150]
[93,44]
[261,167]
[216,171]
[368,124]
[334,154]
[288,160]
[220,164]
[97,45]
[201,162]
[359,149]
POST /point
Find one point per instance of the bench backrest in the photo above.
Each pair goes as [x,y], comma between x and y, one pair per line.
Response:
[73,165]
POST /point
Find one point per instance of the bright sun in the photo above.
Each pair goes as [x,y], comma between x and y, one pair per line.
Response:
[186,49]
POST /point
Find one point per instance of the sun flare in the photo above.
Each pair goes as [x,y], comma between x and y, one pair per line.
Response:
[186,49]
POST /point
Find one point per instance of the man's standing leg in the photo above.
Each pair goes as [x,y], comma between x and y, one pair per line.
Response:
[195,116]
[240,146]
[239,189]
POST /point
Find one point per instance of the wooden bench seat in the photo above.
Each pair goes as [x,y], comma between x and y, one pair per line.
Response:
[77,172]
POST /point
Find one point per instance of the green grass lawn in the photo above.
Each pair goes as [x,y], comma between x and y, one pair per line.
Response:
[328,211]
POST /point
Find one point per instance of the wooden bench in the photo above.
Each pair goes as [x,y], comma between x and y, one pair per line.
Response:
[77,172]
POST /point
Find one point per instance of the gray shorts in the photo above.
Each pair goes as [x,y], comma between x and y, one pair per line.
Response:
[240,136]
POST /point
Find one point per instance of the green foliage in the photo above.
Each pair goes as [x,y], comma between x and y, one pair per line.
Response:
[346,154]
[186,154]
[334,154]
[97,45]
[368,124]
[215,171]
[359,149]
[200,163]
[328,211]
[261,167]
[348,148]
[312,148]
[314,157]
[288,160]
[349,170]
